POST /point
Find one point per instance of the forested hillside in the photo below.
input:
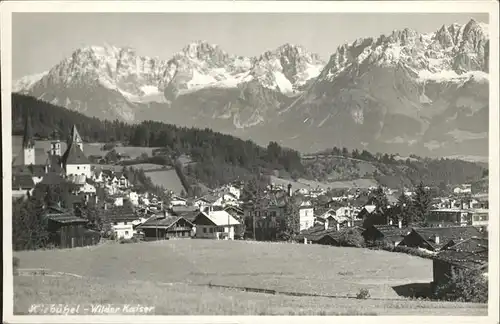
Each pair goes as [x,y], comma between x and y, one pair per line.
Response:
[223,158]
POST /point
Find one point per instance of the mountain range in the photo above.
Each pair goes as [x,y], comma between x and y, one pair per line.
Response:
[405,92]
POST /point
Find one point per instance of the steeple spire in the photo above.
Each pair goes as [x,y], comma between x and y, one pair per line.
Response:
[28,138]
[75,138]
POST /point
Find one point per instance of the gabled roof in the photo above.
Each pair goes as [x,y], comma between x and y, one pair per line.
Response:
[220,218]
[464,259]
[471,245]
[22,181]
[74,155]
[209,198]
[392,230]
[60,215]
[162,221]
[447,234]
[120,214]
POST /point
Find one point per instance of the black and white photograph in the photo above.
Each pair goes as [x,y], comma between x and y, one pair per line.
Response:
[249,159]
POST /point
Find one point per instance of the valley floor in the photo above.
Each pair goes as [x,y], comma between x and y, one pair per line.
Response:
[175,277]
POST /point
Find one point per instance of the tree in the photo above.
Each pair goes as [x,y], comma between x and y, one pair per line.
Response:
[379,198]
[404,205]
[28,227]
[345,152]
[421,204]
[465,286]
[291,226]
[351,237]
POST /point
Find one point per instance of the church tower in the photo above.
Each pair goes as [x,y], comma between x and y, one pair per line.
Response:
[75,138]
[55,145]
[28,153]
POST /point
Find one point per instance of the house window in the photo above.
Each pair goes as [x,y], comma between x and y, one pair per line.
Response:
[78,168]
[115,223]
[126,232]
[204,229]
[124,223]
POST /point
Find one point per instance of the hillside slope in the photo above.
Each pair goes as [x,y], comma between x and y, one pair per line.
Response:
[220,158]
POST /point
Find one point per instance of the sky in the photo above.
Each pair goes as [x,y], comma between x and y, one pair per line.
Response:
[41,40]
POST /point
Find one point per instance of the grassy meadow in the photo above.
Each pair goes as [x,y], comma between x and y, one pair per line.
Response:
[174,276]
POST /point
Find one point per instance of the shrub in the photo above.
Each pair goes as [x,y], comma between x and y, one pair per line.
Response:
[464,286]
[363,294]
[351,237]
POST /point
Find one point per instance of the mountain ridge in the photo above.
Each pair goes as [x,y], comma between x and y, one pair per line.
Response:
[401,91]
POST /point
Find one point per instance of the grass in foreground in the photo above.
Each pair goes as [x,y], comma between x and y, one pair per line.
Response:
[126,273]
[193,300]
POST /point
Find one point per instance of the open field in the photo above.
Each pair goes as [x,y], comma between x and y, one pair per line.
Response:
[173,276]
[167,179]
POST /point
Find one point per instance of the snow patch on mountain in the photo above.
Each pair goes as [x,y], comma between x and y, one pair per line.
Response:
[25,83]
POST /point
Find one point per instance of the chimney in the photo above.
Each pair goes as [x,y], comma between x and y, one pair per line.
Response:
[400,224]
[436,239]
[390,221]
[289,190]
[338,227]
[326,224]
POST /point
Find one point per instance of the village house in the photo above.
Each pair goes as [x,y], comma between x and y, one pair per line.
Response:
[385,234]
[449,217]
[480,217]
[133,197]
[463,189]
[164,226]
[66,230]
[215,225]
[438,238]
[121,220]
[177,201]
[470,254]
[332,219]
[22,186]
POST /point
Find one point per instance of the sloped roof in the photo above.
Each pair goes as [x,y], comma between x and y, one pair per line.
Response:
[447,234]
[160,221]
[75,136]
[464,259]
[22,181]
[209,198]
[221,218]
[74,155]
[52,178]
[120,214]
[471,245]
[392,230]
[63,216]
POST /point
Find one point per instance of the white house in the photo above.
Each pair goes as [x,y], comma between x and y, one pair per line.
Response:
[306,215]
[88,188]
[215,225]
[177,201]
[98,176]
[118,201]
[122,221]
[134,198]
